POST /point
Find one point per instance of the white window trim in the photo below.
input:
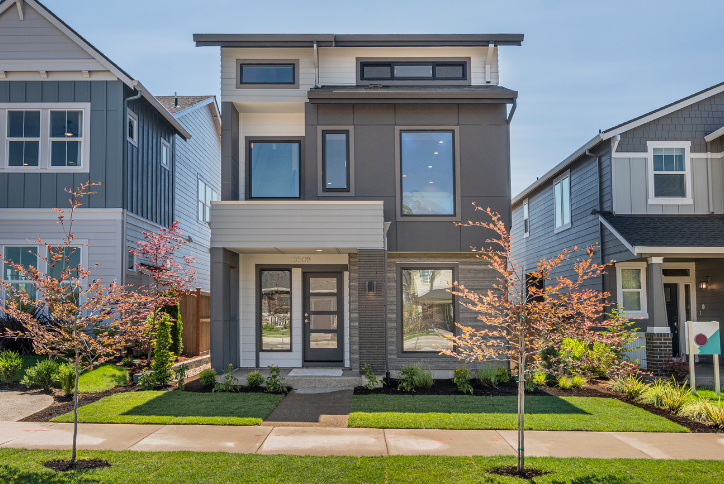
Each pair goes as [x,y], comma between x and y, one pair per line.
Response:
[526,233]
[134,117]
[128,259]
[168,147]
[45,140]
[644,293]
[689,199]
[561,177]
[214,192]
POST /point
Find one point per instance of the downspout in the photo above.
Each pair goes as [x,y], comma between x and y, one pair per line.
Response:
[316,65]
[710,199]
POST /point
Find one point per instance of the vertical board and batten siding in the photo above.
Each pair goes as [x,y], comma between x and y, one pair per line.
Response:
[199,157]
[47,190]
[631,188]
[297,224]
[543,241]
[149,185]
[135,226]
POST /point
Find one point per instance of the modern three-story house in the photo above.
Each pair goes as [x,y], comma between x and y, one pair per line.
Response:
[69,115]
[348,163]
[650,193]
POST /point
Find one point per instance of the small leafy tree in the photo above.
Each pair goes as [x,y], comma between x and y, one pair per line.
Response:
[163,357]
[522,319]
[90,319]
[170,279]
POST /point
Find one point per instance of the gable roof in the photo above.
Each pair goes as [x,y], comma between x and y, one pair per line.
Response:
[183,102]
[126,78]
[626,126]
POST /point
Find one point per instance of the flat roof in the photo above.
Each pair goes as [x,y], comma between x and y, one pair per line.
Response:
[355,40]
[447,94]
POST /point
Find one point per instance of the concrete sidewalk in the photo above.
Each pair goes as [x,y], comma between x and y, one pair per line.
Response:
[360,442]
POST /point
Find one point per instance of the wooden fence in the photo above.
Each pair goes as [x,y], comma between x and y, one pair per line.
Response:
[196,318]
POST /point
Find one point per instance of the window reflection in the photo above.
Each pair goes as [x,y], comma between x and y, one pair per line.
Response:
[276,314]
[427,309]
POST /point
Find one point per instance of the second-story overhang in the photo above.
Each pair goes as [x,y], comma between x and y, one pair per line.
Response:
[355,40]
[298,226]
[411,94]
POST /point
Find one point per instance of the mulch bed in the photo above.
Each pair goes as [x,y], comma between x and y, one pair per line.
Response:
[513,471]
[593,389]
[64,465]
[64,403]
[193,384]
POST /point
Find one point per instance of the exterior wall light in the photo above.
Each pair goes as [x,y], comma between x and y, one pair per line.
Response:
[371,287]
[704,284]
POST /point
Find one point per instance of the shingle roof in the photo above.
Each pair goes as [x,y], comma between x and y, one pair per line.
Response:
[669,230]
[183,102]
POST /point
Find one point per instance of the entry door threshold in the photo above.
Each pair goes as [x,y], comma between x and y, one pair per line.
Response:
[323,364]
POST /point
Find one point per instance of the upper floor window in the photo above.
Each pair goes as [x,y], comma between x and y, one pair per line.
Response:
[526,219]
[427,168]
[165,154]
[206,196]
[413,71]
[274,168]
[44,136]
[562,197]
[670,178]
[132,127]
[267,74]
[335,161]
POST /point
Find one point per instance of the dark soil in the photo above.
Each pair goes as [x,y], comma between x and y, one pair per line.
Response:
[64,403]
[64,465]
[513,471]
[593,389]
[193,384]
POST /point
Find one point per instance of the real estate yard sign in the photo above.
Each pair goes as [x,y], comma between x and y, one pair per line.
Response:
[703,339]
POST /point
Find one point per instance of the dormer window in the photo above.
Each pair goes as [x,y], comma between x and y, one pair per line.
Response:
[416,71]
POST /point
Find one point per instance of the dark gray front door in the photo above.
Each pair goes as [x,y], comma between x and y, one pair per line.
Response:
[671,295]
[323,317]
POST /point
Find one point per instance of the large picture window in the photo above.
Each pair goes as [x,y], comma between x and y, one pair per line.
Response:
[274,168]
[25,256]
[427,173]
[427,309]
[562,197]
[335,161]
[276,310]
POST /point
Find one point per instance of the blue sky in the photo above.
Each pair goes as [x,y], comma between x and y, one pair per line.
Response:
[583,66]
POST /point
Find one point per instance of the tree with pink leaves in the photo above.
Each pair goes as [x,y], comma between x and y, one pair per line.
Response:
[170,278]
[523,315]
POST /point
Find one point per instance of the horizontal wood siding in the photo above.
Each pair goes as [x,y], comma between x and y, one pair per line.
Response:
[149,185]
[47,190]
[297,224]
[199,157]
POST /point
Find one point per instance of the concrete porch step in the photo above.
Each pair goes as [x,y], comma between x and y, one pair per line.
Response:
[307,383]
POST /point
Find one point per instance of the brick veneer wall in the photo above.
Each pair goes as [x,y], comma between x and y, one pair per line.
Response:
[658,349]
[368,334]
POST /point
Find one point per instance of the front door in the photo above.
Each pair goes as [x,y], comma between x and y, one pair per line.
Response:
[323,318]
[671,294]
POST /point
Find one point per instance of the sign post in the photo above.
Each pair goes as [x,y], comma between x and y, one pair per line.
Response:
[703,339]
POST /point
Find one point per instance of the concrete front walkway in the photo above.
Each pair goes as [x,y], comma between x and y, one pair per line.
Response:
[360,442]
[15,405]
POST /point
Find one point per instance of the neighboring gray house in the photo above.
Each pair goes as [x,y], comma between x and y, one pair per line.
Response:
[650,192]
[68,115]
[347,161]
[197,175]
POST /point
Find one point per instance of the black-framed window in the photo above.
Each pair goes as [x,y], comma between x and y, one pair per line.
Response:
[414,71]
[275,322]
[23,135]
[281,73]
[427,160]
[427,308]
[274,168]
[335,161]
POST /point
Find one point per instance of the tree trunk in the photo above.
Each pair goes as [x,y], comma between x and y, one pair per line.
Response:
[521,404]
[75,411]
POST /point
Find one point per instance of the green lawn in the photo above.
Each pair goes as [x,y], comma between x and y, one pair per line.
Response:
[102,378]
[708,393]
[468,412]
[153,407]
[25,466]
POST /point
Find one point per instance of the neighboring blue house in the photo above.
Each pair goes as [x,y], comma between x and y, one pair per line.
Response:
[650,193]
[68,115]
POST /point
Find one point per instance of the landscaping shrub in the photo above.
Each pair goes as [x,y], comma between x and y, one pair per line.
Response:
[208,377]
[370,377]
[145,379]
[714,413]
[491,376]
[565,383]
[127,362]
[176,325]
[539,379]
[273,382]
[254,379]
[461,378]
[501,374]
[41,375]
[632,386]
[10,365]
[229,383]
[577,381]
[677,368]
[162,356]
[181,376]
[413,377]
[667,394]
[66,377]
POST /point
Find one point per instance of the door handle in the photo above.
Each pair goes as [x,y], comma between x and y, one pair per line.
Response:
[306,320]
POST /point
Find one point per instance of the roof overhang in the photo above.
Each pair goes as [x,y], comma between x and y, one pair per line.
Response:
[714,135]
[392,95]
[164,112]
[355,40]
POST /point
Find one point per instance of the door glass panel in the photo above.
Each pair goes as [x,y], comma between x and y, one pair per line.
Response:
[322,303]
[323,340]
[323,321]
[687,300]
[322,284]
